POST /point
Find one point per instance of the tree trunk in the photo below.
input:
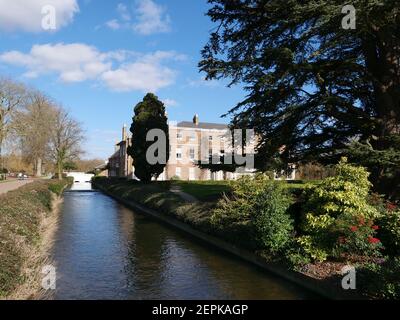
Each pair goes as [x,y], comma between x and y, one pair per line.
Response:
[38,167]
[60,173]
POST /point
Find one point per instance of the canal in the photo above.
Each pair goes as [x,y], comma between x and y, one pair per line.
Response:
[105,251]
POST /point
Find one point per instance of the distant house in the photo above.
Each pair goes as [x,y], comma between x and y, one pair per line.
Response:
[101,170]
[120,163]
[194,141]
[190,142]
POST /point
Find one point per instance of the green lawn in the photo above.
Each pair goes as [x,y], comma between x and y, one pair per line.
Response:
[212,190]
[204,190]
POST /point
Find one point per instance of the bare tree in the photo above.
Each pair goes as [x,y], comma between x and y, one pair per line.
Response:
[34,127]
[66,137]
[12,98]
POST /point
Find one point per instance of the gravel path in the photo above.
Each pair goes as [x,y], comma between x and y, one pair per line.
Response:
[12,185]
[185,196]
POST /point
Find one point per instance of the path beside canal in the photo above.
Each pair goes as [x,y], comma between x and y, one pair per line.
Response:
[12,185]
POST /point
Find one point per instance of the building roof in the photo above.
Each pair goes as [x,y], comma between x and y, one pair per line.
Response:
[202,125]
[115,155]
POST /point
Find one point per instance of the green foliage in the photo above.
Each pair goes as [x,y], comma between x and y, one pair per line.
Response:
[69,166]
[384,163]
[273,226]
[297,257]
[345,194]
[312,85]
[208,191]
[390,232]
[389,223]
[238,207]
[330,204]
[312,248]
[258,208]
[58,187]
[381,281]
[149,114]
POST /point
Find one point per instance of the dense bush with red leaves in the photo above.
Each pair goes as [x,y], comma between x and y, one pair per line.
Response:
[357,236]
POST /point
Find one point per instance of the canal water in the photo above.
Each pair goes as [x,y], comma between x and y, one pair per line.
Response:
[105,251]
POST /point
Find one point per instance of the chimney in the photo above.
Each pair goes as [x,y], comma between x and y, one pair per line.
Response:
[196,119]
[124,135]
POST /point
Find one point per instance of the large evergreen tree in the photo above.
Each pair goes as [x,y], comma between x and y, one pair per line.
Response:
[149,114]
[312,85]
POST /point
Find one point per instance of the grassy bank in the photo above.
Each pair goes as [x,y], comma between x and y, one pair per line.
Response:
[210,191]
[25,217]
[157,196]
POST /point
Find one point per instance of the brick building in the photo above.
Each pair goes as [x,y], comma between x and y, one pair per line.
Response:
[190,142]
[120,163]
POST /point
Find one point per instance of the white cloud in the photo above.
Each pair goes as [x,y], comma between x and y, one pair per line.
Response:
[146,18]
[26,15]
[145,74]
[113,24]
[119,70]
[202,82]
[169,103]
[123,11]
[151,18]
[72,62]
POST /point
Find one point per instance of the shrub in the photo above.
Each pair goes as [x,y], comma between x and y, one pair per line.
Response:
[381,281]
[273,225]
[297,258]
[330,203]
[389,223]
[256,209]
[357,236]
[58,187]
[390,232]
[312,249]
[237,207]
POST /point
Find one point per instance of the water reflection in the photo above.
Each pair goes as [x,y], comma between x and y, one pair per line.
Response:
[105,251]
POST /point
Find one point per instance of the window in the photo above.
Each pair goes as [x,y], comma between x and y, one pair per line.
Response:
[179,135]
[178,172]
[192,136]
[210,138]
[210,152]
[179,153]
[192,154]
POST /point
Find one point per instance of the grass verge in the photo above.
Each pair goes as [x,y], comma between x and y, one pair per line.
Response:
[26,216]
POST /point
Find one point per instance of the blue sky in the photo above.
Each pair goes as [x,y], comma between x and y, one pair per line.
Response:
[105,55]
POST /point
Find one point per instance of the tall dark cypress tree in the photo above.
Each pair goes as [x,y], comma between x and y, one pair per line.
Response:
[313,86]
[149,114]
